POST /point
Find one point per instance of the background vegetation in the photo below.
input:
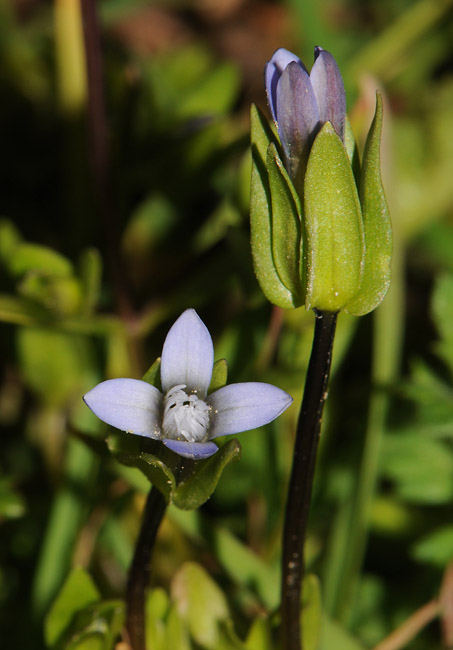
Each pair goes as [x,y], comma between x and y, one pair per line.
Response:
[112,227]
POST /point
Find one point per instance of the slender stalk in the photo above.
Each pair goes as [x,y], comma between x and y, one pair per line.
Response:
[139,571]
[100,151]
[103,185]
[302,474]
[70,57]
[411,627]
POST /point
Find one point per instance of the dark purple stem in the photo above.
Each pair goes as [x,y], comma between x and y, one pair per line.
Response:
[139,572]
[99,150]
[301,481]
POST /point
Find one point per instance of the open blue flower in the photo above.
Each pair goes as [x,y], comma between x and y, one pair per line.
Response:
[301,103]
[184,417]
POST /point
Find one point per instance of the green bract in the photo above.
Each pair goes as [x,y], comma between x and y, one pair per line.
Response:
[328,246]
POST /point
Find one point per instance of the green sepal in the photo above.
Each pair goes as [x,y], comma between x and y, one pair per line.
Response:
[184,482]
[146,455]
[152,375]
[352,149]
[333,225]
[376,223]
[36,258]
[219,376]
[196,489]
[286,224]
[261,215]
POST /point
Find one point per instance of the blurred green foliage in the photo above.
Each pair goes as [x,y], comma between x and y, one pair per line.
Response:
[85,297]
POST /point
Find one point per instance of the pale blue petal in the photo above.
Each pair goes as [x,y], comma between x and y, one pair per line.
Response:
[187,355]
[240,407]
[297,116]
[329,90]
[131,405]
[272,72]
[191,449]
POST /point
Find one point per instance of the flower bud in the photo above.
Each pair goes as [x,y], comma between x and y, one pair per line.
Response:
[321,232]
[301,103]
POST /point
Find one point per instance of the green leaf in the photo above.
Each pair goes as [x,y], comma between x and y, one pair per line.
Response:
[245,567]
[141,452]
[78,591]
[286,224]
[420,467]
[39,259]
[194,490]
[19,310]
[261,215]
[54,365]
[148,227]
[219,375]
[214,94]
[61,295]
[333,225]
[436,548]
[376,224]
[432,396]
[200,603]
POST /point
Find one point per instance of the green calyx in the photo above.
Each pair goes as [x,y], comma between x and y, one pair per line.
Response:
[333,225]
[272,206]
[377,224]
[330,248]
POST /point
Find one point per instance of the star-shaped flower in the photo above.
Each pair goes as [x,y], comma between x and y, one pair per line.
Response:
[184,417]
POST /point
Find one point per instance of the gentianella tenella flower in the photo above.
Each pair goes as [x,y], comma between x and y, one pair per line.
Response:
[183,416]
[301,103]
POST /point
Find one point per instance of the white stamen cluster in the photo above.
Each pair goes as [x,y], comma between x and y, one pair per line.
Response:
[186,417]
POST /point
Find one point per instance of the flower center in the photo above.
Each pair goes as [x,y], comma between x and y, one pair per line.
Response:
[185,416]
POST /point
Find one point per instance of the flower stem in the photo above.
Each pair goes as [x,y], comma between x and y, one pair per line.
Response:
[139,571]
[302,474]
[100,153]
